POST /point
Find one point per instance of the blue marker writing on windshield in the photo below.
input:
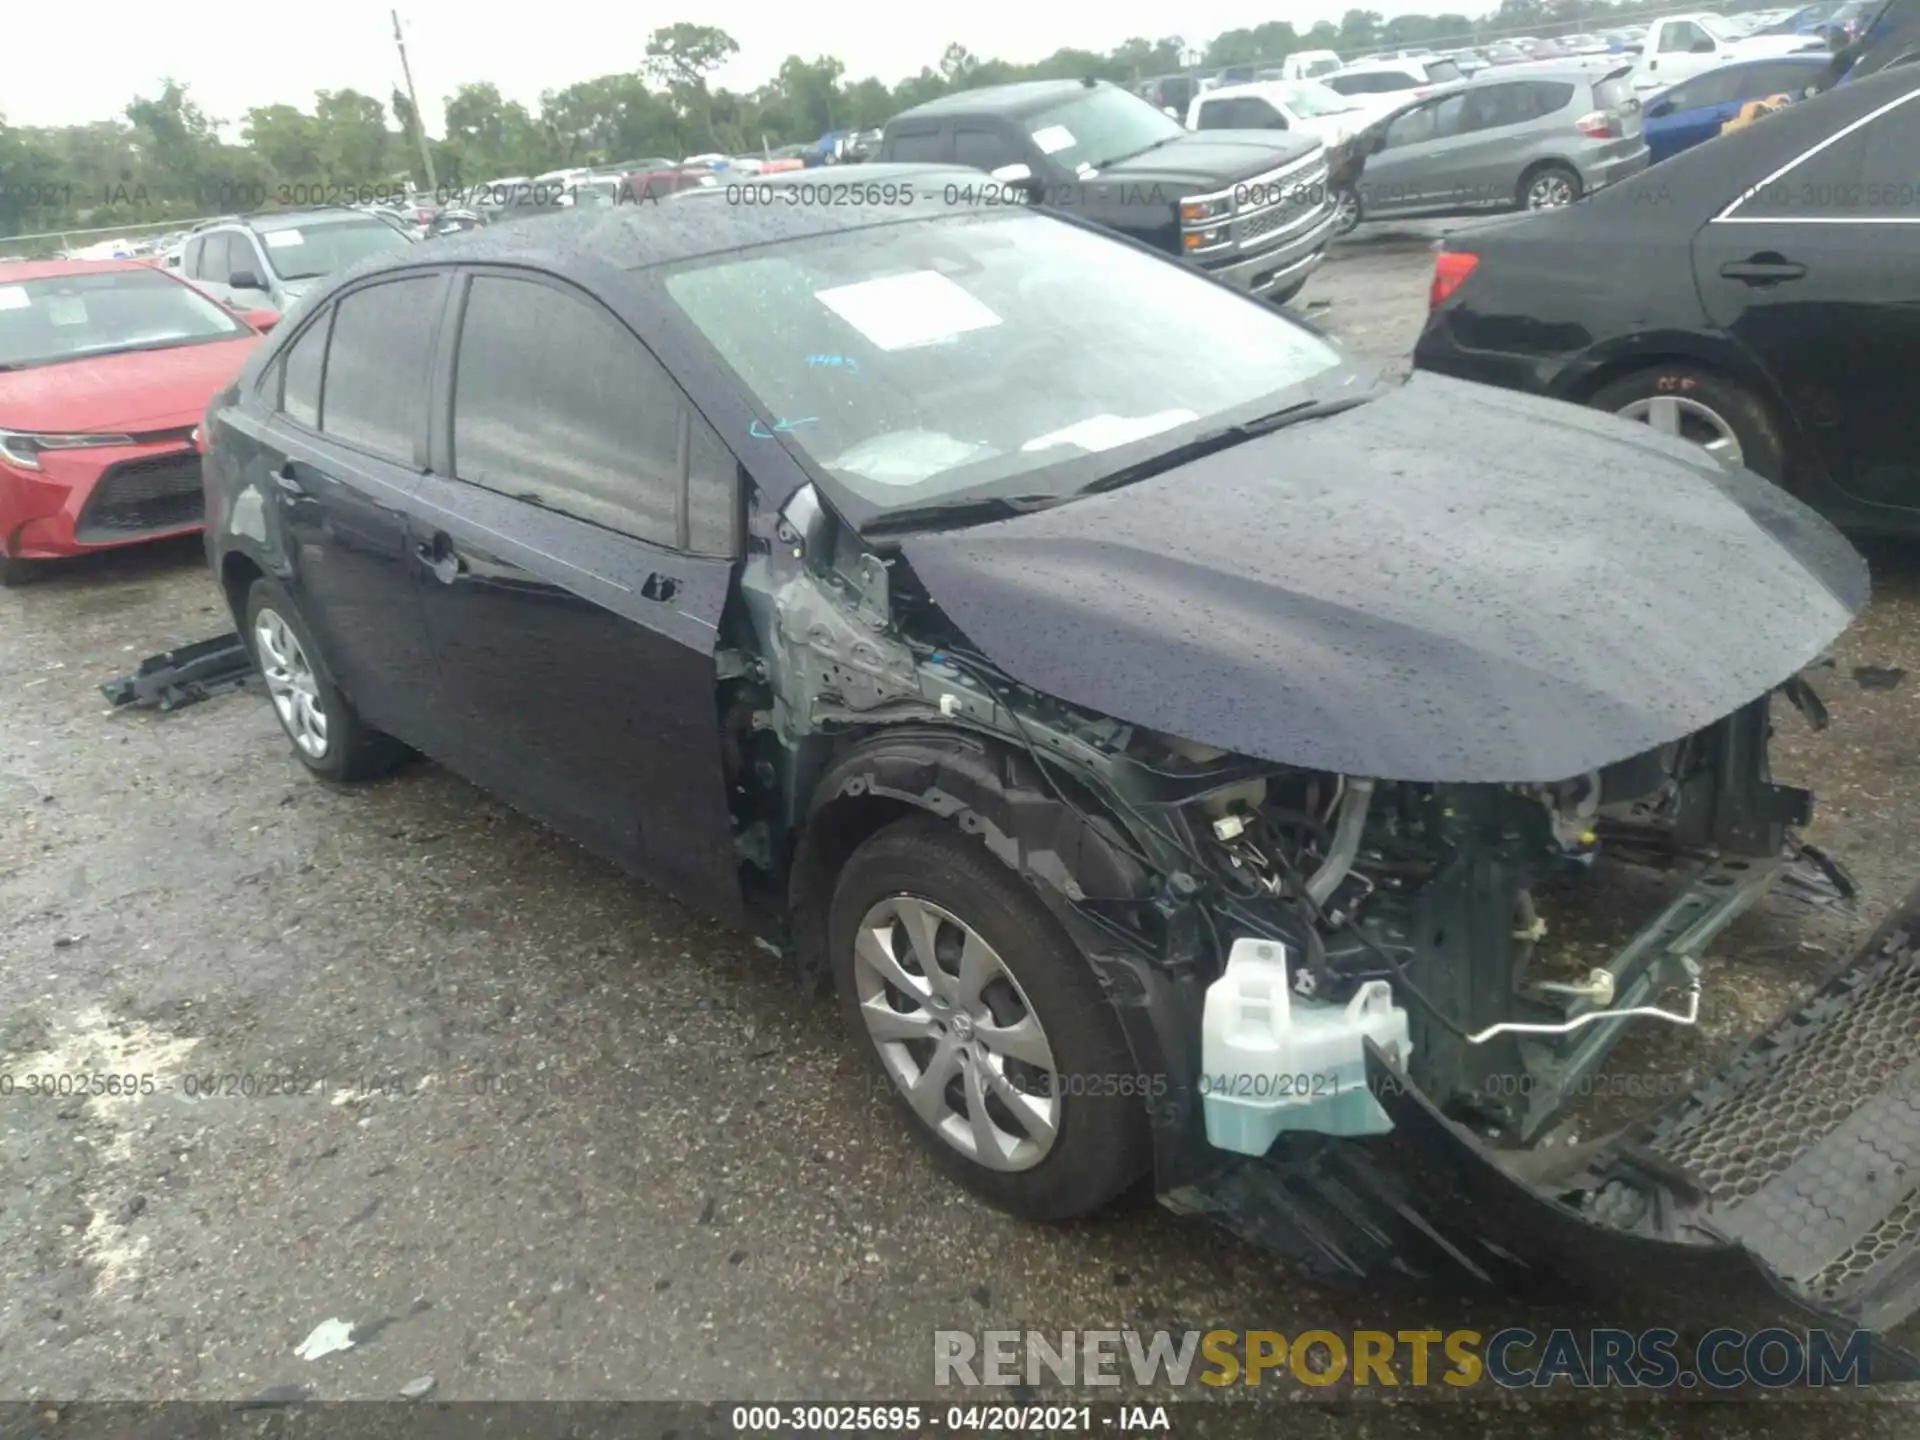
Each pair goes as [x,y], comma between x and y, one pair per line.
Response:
[837,362]
[760,432]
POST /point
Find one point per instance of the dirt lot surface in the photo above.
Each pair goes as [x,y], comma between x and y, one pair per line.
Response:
[549,1136]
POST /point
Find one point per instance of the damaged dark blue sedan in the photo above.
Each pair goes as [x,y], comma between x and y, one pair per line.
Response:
[1172,741]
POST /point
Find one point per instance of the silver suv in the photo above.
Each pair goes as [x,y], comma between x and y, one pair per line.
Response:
[267,262]
[1534,140]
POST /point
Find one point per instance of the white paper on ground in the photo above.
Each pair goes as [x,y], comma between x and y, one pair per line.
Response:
[901,311]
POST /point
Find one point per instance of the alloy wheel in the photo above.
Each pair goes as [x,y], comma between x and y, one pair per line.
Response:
[292,684]
[1346,211]
[1687,419]
[956,1033]
[1551,191]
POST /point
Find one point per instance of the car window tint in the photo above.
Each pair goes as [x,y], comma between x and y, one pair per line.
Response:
[376,388]
[1680,36]
[190,257]
[909,146]
[712,488]
[1442,72]
[241,255]
[556,402]
[1546,96]
[1716,87]
[1867,175]
[1414,127]
[986,149]
[301,367]
[1778,77]
[213,259]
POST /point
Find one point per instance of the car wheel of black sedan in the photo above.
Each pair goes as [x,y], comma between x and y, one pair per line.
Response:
[328,735]
[1549,187]
[985,1024]
[1692,404]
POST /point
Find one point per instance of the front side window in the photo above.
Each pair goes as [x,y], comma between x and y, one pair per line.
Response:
[556,403]
[297,253]
[917,147]
[301,368]
[1100,128]
[985,149]
[915,362]
[376,389]
[216,259]
[108,312]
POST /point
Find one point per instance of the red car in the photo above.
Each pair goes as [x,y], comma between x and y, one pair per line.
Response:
[106,367]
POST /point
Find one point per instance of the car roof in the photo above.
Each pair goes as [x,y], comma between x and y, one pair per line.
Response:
[1022,98]
[679,227]
[14,272]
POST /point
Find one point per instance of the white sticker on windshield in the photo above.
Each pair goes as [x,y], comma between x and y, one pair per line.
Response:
[1052,138]
[1105,432]
[280,239]
[14,297]
[902,311]
[66,309]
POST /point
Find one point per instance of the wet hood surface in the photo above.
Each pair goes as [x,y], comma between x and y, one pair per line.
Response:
[1448,584]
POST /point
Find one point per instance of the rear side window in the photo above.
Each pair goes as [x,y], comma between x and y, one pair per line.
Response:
[300,371]
[190,257]
[1440,72]
[910,146]
[986,149]
[376,387]
[556,402]
[1864,176]
[1372,82]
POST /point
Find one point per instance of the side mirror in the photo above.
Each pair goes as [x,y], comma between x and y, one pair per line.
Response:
[261,319]
[1015,174]
[245,280]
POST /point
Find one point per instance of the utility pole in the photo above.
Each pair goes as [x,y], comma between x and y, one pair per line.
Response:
[419,125]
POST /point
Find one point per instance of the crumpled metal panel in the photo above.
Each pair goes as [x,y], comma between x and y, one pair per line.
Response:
[1449,584]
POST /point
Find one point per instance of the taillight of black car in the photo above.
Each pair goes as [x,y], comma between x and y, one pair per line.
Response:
[1450,271]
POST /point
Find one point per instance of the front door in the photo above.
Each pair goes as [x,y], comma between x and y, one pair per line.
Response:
[1414,171]
[1817,274]
[575,556]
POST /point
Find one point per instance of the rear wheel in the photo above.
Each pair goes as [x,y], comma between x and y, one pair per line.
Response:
[1715,413]
[1549,187]
[328,735]
[17,572]
[985,1025]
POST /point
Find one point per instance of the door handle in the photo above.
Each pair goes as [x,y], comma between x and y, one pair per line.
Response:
[439,556]
[1762,270]
[288,479]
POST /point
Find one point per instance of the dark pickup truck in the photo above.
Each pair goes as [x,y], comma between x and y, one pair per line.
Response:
[1253,208]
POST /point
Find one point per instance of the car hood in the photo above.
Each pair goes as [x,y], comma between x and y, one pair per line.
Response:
[1214,158]
[1448,584]
[119,393]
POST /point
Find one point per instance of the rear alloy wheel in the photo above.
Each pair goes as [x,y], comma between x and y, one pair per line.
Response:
[1551,187]
[1697,405]
[1347,213]
[328,736]
[985,1025]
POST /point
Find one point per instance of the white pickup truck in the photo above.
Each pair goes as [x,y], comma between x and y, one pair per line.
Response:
[1678,47]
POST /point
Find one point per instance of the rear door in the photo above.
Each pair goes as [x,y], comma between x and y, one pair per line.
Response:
[1816,272]
[348,442]
[576,548]
[1507,129]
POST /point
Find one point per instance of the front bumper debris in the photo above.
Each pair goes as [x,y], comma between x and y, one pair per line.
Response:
[179,677]
[1783,1192]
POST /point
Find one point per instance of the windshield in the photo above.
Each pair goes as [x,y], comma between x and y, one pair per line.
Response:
[1100,128]
[916,362]
[69,317]
[1310,98]
[306,254]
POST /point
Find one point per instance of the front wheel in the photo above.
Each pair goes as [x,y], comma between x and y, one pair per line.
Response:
[1551,187]
[984,1024]
[1347,211]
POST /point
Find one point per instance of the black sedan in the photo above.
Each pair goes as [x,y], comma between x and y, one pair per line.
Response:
[1759,294]
[1149,721]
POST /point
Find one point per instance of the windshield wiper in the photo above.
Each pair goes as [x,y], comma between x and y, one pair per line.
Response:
[960,511]
[1222,439]
[1135,154]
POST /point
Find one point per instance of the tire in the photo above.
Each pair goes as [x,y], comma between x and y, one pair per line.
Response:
[1552,178]
[298,681]
[15,571]
[1348,211]
[923,868]
[1705,405]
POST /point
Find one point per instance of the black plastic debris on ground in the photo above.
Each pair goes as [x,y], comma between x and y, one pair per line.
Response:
[1875,677]
[179,677]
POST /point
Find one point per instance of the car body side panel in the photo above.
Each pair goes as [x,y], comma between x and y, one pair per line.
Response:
[1413,590]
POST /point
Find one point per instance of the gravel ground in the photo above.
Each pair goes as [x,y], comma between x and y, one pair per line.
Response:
[550,1136]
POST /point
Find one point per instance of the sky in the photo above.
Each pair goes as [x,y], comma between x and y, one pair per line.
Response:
[273,53]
